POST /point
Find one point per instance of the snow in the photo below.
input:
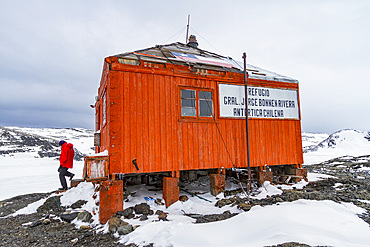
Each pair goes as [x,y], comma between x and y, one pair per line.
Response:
[80,138]
[310,139]
[23,174]
[104,153]
[323,222]
[306,221]
[342,143]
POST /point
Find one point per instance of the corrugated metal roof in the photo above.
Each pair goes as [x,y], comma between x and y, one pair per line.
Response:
[179,53]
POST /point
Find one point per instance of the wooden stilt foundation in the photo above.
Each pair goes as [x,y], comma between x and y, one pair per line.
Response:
[263,176]
[298,174]
[217,183]
[171,190]
[111,199]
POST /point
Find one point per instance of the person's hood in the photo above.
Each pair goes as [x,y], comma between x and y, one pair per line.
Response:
[69,145]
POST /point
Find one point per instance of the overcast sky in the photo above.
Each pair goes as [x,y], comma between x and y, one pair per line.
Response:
[52,52]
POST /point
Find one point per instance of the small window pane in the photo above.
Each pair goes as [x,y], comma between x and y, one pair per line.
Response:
[205,95]
[188,102]
[187,112]
[205,108]
[188,94]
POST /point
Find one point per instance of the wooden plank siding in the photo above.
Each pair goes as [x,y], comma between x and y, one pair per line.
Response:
[144,123]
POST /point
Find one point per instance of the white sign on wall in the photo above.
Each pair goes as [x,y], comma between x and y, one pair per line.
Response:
[262,102]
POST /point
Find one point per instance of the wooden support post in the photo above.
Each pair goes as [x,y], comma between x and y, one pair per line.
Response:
[75,182]
[217,183]
[171,191]
[298,173]
[111,199]
[263,176]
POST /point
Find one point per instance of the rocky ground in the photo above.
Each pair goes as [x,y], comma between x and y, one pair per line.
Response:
[351,183]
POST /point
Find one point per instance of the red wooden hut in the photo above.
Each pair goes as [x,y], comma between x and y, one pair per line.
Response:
[175,108]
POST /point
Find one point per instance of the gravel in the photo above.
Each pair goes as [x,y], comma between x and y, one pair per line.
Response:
[351,183]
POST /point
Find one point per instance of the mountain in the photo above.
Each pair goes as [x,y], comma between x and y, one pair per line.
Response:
[43,142]
[311,140]
[347,142]
[343,140]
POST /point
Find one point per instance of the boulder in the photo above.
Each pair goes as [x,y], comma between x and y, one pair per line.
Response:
[51,204]
[125,229]
[115,223]
[142,208]
[183,198]
[143,217]
[78,204]
[69,217]
[128,213]
[84,216]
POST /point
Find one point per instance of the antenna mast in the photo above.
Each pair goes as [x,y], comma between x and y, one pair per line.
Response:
[187,30]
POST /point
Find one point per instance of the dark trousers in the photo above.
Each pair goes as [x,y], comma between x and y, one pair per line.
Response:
[63,171]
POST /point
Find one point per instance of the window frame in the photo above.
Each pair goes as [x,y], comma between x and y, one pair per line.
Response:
[197,117]
[104,109]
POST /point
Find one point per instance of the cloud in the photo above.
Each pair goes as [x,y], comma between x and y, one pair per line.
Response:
[51,53]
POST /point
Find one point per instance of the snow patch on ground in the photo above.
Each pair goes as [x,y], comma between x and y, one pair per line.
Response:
[322,223]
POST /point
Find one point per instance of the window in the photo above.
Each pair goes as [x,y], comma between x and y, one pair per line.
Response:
[188,103]
[104,108]
[205,104]
[196,103]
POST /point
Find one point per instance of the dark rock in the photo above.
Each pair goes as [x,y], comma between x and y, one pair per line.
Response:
[213,217]
[114,223]
[244,206]
[126,194]
[128,213]
[183,198]
[69,217]
[158,212]
[51,204]
[46,221]
[233,192]
[142,208]
[78,204]
[84,216]
[126,229]
[158,201]
[36,223]
[143,217]
[119,214]
[227,201]
[163,216]
[290,244]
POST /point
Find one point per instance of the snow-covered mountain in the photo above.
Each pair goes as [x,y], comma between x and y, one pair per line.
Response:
[311,140]
[29,158]
[346,142]
[43,142]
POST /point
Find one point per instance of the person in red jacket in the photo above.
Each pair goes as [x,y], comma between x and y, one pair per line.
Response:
[66,162]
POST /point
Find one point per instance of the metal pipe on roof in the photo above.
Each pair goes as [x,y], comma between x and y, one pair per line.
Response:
[187,30]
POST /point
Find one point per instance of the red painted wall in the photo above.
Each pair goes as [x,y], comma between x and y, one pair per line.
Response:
[144,123]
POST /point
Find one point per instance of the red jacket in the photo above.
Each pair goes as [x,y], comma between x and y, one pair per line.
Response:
[66,156]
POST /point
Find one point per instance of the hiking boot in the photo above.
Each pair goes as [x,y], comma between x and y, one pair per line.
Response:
[70,178]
